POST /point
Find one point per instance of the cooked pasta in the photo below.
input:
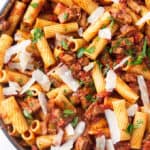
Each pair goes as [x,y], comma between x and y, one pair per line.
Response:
[75,74]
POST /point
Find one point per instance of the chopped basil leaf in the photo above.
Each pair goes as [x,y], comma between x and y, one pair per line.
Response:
[75,121]
[90,98]
[34,5]
[141,56]
[27,114]
[29,93]
[90,50]
[130,128]
[68,112]
[80,52]
[37,34]
[65,16]
[64,45]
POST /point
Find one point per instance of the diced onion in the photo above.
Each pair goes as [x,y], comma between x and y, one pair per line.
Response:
[88,67]
[109,145]
[105,33]
[143,19]
[100,143]
[113,125]
[15,49]
[110,80]
[58,138]
[122,62]
[65,74]
[42,79]
[43,102]
[116,1]
[80,31]
[27,85]
[69,130]
[132,110]
[143,90]
[96,14]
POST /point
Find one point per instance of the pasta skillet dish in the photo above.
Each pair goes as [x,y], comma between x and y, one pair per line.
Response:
[75,74]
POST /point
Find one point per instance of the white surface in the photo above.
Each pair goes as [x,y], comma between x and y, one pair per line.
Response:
[5,143]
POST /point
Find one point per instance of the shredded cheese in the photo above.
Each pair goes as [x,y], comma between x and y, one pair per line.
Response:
[132,110]
[110,80]
[105,33]
[96,14]
[88,67]
[100,143]
[109,145]
[143,19]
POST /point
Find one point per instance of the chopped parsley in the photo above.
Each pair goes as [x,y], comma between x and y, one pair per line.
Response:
[64,45]
[131,127]
[29,93]
[65,16]
[90,50]
[80,52]
[75,121]
[34,5]
[37,34]
[68,112]
[27,114]
[90,98]
[139,59]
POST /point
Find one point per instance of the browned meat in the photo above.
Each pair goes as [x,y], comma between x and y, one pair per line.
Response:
[30,104]
[122,146]
[83,143]
[127,30]
[129,77]
[4,25]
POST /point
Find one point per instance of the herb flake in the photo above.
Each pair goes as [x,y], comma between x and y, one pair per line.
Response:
[68,112]
[75,121]
[37,34]
[27,114]
[34,5]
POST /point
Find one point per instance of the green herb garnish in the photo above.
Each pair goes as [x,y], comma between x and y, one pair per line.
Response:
[90,98]
[75,121]
[80,52]
[37,34]
[131,127]
[20,81]
[64,45]
[68,112]
[90,50]
[141,56]
[34,5]
[27,114]
[65,16]
[29,93]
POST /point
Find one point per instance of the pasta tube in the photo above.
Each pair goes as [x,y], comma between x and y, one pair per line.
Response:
[36,127]
[99,44]
[28,137]
[93,29]
[15,16]
[40,23]
[98,79]
[44,141]
[63,89]
[87,5]
[35,89]
[50,31]
[122,118]
[138,133]
[5,43]
[125,91]
[32,12]
[66,2]
[15,115]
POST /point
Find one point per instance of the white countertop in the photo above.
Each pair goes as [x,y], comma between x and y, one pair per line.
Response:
[5,143]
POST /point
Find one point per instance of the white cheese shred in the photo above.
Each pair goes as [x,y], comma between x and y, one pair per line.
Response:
[88,67]
[65,74]
[58,138]
[113,125]
[96,14]
[109,145]
[122,62]
[69,130]
[143,19]
[132,110]
[105,33]
[143,90]
[110,80]
[100,142]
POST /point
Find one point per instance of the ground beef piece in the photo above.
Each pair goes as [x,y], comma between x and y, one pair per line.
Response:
[122,146]
[129,77]
[83,143]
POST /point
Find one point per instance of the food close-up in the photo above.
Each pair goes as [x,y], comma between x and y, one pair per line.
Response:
[75,74]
